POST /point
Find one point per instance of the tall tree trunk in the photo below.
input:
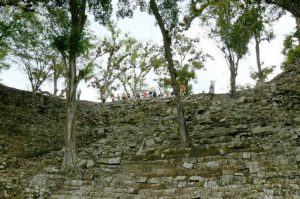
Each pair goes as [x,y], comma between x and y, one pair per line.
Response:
[78,18]
[70,158]
[55,79]
[258,61]
[298,22]
[185,142]
[298,26]
[34,91]
[233,75]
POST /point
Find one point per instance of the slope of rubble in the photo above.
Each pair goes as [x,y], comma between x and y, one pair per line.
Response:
[247,147]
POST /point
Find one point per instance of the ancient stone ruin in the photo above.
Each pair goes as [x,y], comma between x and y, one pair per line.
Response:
[247,147]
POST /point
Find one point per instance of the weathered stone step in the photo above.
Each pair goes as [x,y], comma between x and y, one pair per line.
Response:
[112,195]
[80,192]
[68,197]
[162,192]
[77,182]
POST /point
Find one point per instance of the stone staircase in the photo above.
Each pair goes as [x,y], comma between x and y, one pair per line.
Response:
[191,173]
[241,148]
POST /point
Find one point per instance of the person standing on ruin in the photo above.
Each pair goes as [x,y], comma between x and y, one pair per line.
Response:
[145,94]
[78,94]
[154,93]
[124,96]
[181,89]
[212,87]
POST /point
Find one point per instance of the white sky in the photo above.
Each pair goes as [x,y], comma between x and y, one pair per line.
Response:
[142,27]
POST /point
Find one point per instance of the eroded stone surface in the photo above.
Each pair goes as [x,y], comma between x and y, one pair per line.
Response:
[242,148]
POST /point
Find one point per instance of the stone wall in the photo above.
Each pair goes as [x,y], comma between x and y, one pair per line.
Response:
[241,148]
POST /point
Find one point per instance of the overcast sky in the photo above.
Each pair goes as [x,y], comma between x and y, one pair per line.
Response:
[142,27]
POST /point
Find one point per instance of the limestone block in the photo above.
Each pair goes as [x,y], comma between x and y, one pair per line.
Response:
[113,161]
[150,143]
[180,178]
[188,165]
[90,163]
[52,170]
[215,109]
[141,179]
[242,100]
[223,120]
[214,103]
[297,120]
[76,183]
[6,195]
[212,164]
[246,155]
[166,179]
[265,129]
[210,184]
[269,95]
[40,180]
[169,111]
[108,190]
[153,181]
[253,166]
[298,157]
[108,179]
[238,174]
[226,180]
[82,163]
[181,184]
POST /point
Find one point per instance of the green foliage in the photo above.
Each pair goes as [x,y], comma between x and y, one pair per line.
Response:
[293,6]
[8,31]
[29,47]
[102,10]
[291,49]
[109,58]
[143,58]
[234,26]
[292,57]
[61,42]
[169,10]
[263,74]
[188,59]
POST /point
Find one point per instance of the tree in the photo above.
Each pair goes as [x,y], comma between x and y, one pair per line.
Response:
[166,14]
[143,58]
[188,59]
[292,41]
[24,5]
[7,27]
[58,22]
[231,25]
[71,44]
[293,6]
[30,48]
[291,49]
[77,8]
[109,59]
[57,69]
[265,16]
[10,29]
